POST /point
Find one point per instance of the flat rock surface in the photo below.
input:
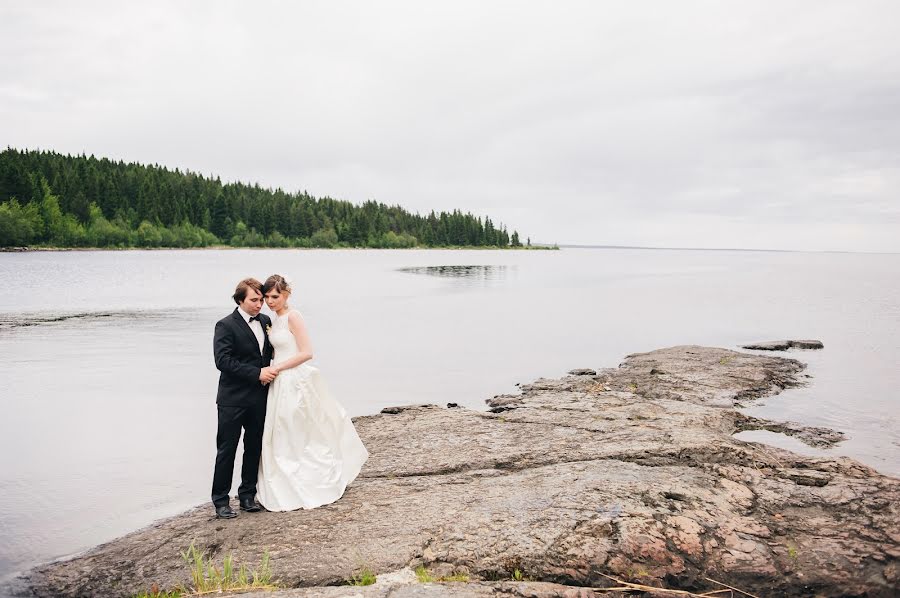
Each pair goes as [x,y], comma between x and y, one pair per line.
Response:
[506,589]
[629,472]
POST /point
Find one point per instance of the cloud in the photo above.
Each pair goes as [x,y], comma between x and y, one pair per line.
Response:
[699,124]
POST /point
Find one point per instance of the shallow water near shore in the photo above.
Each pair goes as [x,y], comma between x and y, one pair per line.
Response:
[107,364]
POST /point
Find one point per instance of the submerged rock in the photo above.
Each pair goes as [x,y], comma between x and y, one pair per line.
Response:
[631,473]
[785,345]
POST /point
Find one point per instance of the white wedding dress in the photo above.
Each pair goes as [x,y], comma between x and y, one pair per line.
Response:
[310,449]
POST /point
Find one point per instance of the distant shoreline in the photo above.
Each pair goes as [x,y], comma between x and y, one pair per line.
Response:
[231,247]
[646,248]
[534,247]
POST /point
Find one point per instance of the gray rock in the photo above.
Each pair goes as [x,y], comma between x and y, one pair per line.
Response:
[508,589]
[785,345]
[629,474]
[582,372]
[807,344]
[504,402]
[812,436]
[403,408]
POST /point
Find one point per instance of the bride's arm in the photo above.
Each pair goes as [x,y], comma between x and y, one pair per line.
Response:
[298,329]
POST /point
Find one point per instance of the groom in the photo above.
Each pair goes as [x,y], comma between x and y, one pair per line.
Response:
[243,353]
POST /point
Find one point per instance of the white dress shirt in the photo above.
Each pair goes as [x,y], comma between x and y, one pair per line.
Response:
[255,326]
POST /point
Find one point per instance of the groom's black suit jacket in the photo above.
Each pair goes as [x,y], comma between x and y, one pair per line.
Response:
[239,360]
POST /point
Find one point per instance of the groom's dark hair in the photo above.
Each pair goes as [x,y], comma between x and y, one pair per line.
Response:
[240,293]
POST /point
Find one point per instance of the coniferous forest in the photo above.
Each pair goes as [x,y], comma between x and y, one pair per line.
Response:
[54,200]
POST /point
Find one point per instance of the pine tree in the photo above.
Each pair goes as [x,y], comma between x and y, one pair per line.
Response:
[84,200]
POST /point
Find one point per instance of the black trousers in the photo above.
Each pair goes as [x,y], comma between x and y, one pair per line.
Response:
[231,420]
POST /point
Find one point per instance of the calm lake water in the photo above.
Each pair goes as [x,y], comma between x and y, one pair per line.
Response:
[109,385]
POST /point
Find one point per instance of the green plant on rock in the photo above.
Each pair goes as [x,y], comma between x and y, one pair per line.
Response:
[520,575]
[792,551]
[207,577]
[364,576]
[424,576]
[638,572]
[158,594]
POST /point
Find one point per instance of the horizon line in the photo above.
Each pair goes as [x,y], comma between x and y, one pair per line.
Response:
[647,247]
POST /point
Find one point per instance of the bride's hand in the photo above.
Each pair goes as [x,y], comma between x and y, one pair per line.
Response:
[267,374]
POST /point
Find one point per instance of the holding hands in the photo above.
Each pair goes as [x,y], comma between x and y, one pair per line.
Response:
[267,374]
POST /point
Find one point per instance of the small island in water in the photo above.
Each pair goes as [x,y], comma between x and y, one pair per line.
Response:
[616,482]
[52,200]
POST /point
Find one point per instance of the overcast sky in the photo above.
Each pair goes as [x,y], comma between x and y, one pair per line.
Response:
[678,124]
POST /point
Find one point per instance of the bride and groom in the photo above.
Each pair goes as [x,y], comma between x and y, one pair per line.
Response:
[300,447]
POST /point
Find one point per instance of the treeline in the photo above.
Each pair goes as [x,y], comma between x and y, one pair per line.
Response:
[60,200]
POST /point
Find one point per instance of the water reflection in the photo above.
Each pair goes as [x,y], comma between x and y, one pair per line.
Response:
[474,273]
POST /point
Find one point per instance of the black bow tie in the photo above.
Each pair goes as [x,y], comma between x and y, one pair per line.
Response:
[254,318]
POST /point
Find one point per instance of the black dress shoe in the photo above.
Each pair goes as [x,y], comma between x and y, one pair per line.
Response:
[225,512]
[249,505]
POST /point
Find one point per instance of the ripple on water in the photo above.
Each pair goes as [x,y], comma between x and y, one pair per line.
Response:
[9,321]
[471,272]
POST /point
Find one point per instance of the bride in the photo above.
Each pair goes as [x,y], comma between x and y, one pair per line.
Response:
[310,449]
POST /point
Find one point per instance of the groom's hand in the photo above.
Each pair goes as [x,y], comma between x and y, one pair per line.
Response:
[267,374]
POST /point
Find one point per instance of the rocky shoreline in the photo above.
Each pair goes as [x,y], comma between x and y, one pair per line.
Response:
[629,473]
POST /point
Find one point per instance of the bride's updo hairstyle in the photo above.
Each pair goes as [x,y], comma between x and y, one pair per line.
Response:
[277,282]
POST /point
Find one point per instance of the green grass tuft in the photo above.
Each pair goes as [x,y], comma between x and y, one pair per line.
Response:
[424,576]
[364,577]
[208,578]
[519,575]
